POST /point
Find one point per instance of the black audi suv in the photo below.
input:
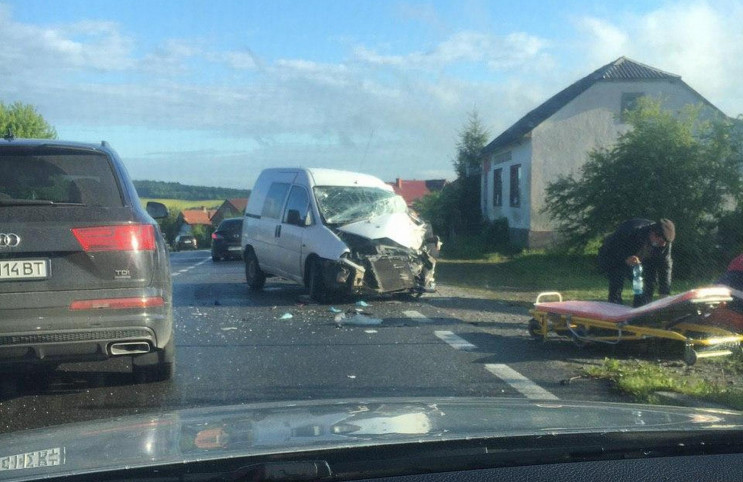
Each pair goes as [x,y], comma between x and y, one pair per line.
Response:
[84,269]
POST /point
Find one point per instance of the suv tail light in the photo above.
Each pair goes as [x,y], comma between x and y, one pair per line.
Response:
[136,237]
[118,303]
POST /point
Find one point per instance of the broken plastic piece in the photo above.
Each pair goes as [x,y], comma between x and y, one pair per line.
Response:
[362,303]
[359,319]
[333,309]
[286,316]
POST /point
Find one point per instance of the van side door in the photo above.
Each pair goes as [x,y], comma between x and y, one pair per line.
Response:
[295,225]
[268,228]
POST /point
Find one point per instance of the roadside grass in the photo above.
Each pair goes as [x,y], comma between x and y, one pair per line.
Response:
[178,205]
[520,277]
[642,379]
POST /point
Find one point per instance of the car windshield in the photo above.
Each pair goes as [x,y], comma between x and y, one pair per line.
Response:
[348,204]
[264,227]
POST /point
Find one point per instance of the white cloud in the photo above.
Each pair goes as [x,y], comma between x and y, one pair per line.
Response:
[86,45]
[700,41]
[497,52]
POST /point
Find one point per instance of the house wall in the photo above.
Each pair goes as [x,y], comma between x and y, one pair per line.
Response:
[518,217]
[560,145]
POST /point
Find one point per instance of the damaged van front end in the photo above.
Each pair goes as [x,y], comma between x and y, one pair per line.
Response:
[388,249]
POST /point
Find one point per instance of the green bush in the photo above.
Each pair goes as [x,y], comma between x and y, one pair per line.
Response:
[492,238]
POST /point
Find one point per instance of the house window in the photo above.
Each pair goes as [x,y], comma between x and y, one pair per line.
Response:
[629,102]
[515,185]
[498,187]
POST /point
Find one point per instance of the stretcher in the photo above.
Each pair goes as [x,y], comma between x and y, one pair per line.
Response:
[688,317]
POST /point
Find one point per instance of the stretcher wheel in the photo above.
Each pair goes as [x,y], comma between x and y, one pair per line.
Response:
[578,336]
[535,329]
[690,356]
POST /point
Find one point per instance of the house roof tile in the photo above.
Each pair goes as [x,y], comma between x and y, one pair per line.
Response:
[239,203]
[197,216]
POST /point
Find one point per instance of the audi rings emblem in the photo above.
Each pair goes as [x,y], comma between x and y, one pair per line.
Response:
[9,240]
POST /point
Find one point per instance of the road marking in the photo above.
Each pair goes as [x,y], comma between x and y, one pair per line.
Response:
[417,316]
[518,381]
[454,341]
[185,270]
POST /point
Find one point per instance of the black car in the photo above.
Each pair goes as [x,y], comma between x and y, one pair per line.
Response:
[185,241]
[226,239]
[84,269]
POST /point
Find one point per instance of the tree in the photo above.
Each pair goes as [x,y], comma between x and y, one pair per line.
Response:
[472,139]
[680,167]
[24,121]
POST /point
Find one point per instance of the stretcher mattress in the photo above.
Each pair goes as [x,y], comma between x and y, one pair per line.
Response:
[668,307]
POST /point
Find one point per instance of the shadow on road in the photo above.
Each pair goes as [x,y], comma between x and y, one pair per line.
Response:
[517,349]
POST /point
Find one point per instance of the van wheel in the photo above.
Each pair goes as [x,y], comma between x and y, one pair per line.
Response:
[253,274]
[318,290]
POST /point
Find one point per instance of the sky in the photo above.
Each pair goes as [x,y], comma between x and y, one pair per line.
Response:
[211,92]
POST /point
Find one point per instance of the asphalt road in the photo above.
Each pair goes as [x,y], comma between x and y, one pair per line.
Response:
[237,347]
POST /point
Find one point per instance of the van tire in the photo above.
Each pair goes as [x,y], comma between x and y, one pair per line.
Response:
[254,276]
[316,281]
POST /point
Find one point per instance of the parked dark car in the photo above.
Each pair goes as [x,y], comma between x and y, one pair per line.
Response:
[185,241]
[226,239]
[84,270]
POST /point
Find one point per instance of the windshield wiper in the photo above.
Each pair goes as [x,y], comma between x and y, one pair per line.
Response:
[35,202]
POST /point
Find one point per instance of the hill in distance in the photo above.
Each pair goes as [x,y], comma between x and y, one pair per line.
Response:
[176,190]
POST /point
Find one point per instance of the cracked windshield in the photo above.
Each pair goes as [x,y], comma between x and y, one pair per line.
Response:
[267,226]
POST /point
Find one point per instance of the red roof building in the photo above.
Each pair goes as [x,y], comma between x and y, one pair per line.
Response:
[412,190]
[195,217]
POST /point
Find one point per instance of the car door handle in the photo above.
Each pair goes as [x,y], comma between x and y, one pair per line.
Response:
[277,231]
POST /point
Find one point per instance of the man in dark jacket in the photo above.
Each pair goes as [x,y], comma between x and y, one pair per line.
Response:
[638,241]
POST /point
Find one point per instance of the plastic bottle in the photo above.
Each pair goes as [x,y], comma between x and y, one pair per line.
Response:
[637,283]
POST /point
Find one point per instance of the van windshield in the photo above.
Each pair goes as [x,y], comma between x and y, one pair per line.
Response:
[349,204]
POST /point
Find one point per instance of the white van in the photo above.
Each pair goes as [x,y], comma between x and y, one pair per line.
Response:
[336,232]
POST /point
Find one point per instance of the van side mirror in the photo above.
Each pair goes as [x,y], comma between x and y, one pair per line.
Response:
[292,217]
[157,210]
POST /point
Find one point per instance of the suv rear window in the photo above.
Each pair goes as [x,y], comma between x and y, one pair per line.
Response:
[231,225]
[58,175]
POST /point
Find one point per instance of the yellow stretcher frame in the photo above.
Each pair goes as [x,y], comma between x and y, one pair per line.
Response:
[714,340]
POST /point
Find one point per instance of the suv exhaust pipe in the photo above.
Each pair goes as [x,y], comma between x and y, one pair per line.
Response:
[129,348]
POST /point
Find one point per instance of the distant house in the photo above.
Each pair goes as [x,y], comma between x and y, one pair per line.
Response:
[555,138]
[412,190]
[231,208]
[188,218]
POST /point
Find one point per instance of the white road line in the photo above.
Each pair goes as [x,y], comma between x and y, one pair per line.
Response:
[417,316]
[518,381]
[454,341]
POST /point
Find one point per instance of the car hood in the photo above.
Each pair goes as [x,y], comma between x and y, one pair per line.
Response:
[398,227]
[263,429]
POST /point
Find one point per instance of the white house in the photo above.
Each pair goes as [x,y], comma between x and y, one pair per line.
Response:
[556,137]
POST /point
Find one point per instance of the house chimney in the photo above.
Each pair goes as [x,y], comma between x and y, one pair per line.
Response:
[398,181]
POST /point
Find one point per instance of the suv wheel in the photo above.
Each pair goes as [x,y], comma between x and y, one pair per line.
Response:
[253,274]
[161,370]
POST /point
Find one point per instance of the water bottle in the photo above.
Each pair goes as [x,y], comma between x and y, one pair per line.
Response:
[637,284]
